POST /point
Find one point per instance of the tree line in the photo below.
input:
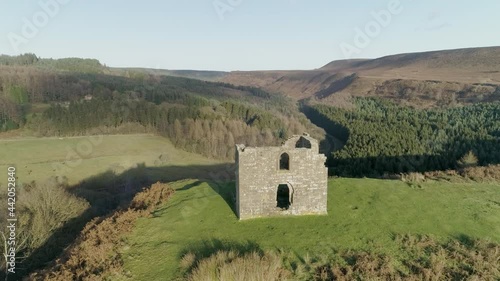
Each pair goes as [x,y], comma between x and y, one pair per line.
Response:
[381,137]
[66,64]
[211,130]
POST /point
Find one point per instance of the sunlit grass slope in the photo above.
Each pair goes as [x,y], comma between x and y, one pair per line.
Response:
[364,214]
[79,158]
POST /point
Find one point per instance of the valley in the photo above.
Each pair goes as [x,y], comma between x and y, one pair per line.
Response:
[146,156]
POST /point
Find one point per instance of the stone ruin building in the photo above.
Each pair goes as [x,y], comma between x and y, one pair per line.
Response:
[284,180]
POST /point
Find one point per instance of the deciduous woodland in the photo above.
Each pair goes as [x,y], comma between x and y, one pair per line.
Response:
[203,117]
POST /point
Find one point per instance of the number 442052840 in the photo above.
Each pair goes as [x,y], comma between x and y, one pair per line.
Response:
[11,191]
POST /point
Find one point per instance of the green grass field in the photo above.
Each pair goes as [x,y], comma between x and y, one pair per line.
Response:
[81,157]
[364,214]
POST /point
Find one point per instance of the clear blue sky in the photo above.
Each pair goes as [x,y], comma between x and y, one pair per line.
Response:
[254,35]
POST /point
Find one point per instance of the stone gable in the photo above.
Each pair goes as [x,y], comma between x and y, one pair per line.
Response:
[285,180]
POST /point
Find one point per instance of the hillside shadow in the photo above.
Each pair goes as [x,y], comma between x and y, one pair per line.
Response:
[378,166]
[466,240]
[189,186]
[226,190]
[381,166]
[110,191]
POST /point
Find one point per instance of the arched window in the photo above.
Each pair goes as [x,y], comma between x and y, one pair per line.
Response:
[303,143]
[284,161]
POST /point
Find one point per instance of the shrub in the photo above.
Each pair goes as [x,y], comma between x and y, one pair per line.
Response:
[46,207]
[461,259]
[413,178]
[488,173]
[95,254]
[422,258]
[232,265]
[358,266]
[42,209]
[468,160]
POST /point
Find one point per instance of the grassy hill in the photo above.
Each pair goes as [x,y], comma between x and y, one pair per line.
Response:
[416,79]
[475,60]
[363,214]
[79,158]
[426,79]
[97,174]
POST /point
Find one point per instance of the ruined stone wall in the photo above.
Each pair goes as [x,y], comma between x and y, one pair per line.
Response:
[258,176]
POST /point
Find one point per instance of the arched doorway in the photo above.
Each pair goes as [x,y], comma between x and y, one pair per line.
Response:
[283,197]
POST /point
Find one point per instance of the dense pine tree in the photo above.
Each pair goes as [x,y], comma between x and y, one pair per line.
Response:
[382,137]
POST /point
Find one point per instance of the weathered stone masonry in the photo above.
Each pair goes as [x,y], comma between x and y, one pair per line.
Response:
[286,180]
